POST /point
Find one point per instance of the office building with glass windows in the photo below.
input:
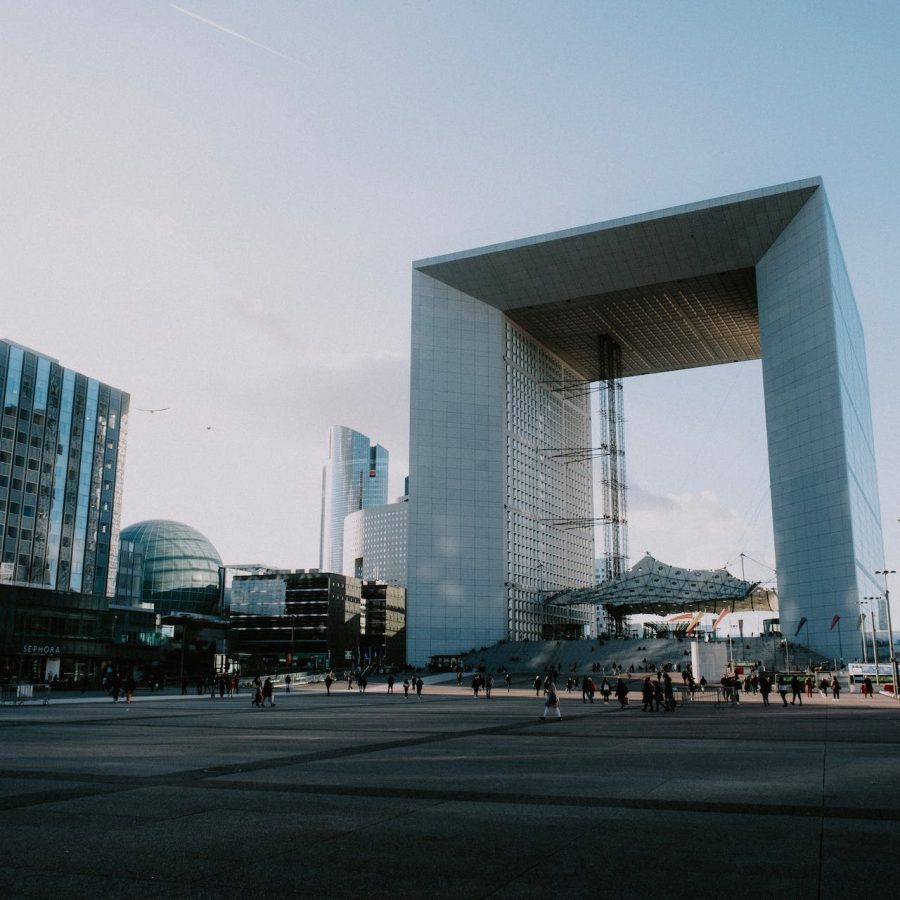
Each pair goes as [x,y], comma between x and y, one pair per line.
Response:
[62,452]
[375,541]
[501,511]
[355,477]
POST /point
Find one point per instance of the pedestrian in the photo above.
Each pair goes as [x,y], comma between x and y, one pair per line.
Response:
[287,683]
[363,683]
[835,689]
[809,684]
[538,681]
[781,684]
[488,685]
[419,685]
[796,691]
[405,687]
[765,688]
[647,695]
[622,693]
[585,690]
[508,679]
[129,688]
[605,690]
[257,694]
[476,684]
[668,694]
[328,682]
[551,701]
[868,691]
[736,691]
[823,687]
[267,692]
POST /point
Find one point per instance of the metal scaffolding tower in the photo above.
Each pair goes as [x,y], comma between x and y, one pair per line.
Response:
[614,519]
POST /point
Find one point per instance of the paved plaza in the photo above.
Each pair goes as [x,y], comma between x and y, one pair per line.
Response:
[448,796]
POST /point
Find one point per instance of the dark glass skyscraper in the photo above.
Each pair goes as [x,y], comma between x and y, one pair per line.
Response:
[62,452]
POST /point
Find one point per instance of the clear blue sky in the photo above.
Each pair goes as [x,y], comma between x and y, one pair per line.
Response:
[214,206]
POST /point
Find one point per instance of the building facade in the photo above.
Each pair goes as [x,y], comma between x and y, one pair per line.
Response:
[62,453]
[355,477]
[506,338]
[169,564]
[374,545]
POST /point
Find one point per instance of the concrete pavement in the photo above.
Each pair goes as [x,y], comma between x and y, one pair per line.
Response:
[448,796]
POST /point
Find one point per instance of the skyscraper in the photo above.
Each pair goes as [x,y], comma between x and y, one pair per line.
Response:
[62,449]
[355,477]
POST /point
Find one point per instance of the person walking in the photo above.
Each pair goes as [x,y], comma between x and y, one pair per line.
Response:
[796,691]
[867,687]
[765,687]
[129,688]
[419,685]
[508,679]
[835,689]
[586,690]
[605,690]
[405,687]
[287,683]
[781,684]
[809,684]
[538,682]
[257,700]
[488,685]
[551,701]
[267,692]
[647,695]
[668,693]
[622,693]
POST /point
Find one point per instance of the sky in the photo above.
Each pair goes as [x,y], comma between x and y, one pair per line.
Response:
[215,206]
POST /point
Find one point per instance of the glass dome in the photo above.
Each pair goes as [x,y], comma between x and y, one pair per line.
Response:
[169,564]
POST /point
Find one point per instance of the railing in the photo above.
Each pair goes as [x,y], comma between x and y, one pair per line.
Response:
[19,694]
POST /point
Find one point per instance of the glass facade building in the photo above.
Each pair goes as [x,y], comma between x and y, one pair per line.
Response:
[506,341]
[355,477]
[62,452]
[375,543]
[170,565]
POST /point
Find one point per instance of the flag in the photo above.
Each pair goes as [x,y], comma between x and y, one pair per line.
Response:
[681,616]
[741,628]
[860,620]
[834,622]
[800,624]
[719,618]
[694,622]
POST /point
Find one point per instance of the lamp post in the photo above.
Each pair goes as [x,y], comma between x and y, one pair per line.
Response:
[862,633]
[874,634]
[887,603]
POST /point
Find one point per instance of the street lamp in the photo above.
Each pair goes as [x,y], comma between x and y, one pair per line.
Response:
[874,634]
[887,603]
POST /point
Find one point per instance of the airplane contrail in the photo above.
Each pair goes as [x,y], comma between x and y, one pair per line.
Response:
[232,33]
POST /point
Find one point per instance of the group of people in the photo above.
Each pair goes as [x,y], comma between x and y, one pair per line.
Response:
[658,695]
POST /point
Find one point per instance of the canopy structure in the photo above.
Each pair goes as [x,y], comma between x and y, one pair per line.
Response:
[657,588]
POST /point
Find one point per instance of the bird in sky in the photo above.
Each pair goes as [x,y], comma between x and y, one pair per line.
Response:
[151,411]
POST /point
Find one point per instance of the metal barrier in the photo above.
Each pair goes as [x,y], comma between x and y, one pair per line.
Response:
[20,694]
